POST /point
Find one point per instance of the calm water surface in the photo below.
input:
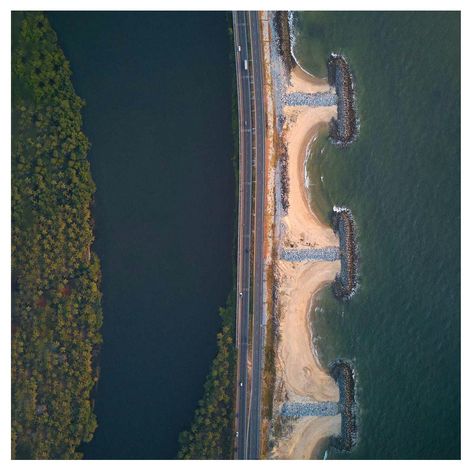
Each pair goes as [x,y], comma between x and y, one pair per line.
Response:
[402,181]
[158,115]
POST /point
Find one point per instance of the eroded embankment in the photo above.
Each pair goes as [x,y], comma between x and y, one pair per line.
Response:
[343,374]
[282,26]
[346,281]
[343,130]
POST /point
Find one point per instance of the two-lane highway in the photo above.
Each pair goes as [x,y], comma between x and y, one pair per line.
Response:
[249,70]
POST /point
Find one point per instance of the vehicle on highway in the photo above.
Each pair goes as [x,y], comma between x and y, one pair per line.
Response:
[236,434]
[239,48]
[241,384]
[246,64]
[240,294]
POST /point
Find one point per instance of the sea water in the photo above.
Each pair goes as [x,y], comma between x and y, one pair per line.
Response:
[401,179]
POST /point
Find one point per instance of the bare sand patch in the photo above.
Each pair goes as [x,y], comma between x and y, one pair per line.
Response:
[302,372]
[303,81]
[306,430]
[303,227]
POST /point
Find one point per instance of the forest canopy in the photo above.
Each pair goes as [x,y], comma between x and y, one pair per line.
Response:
[56,300]
[211,434]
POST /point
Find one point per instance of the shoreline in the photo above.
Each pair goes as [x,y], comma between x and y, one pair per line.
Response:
[299,375]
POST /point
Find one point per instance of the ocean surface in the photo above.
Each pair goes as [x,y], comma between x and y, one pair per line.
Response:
[401,179]
[158,115]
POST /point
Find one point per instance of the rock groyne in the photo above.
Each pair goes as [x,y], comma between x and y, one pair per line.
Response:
[314,99]
[346,281]
[298,410]
[343,130]
[328,254]
[343,373]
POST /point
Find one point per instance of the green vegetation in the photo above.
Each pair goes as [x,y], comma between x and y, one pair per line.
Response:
[56,310]
[211,433]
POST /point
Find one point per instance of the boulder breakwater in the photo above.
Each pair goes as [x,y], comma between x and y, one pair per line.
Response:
[346,281]
[343,130]
[343,373]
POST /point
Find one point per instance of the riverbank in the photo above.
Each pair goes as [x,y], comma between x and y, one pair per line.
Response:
[298,373]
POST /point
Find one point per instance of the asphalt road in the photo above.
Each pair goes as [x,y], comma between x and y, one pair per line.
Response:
[252,149]
[245,228]
[258,314]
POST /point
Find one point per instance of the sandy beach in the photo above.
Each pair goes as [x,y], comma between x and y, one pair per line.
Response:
[303,227]
[307,434]
[302,81]
[302,373]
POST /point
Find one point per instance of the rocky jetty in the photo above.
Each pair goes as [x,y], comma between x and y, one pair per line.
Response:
[343,373]
[346,281]
[343,130]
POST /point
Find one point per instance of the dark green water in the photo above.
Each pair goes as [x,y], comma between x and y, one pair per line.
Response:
[402,181]
[158,115]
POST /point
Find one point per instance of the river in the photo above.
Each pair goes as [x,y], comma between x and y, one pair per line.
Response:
[158,92]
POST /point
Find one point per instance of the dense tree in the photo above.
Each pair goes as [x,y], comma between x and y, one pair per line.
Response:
[56,301]
[211,433]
